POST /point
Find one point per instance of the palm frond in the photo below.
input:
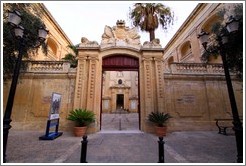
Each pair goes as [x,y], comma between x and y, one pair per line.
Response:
[82,117]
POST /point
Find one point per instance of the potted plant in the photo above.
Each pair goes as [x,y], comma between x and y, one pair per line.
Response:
[82,118]
[160,120]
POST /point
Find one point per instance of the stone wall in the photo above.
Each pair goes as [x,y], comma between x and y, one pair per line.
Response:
[195,99]
[33,95]
[194,94]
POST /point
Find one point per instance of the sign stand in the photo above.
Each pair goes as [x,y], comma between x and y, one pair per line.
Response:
[53,120]
[51,135]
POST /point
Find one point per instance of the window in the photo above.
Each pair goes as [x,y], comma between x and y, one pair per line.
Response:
[120,81]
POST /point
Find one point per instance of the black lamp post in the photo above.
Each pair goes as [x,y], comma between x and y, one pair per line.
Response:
[232,26]
[14,19]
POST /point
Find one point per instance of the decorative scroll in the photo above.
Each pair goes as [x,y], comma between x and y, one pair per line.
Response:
[160,81]
[92,83]
[148,79]
[80,78]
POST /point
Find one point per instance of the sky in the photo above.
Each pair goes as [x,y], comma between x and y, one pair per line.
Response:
[88,18]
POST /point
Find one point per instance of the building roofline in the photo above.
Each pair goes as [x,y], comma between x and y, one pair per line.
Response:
[182,27]
[47,13]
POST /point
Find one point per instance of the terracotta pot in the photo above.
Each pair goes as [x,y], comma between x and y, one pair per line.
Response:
[80,131]
[161,131]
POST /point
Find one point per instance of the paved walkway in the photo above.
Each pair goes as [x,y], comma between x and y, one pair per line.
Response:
[120,141]
[119,147]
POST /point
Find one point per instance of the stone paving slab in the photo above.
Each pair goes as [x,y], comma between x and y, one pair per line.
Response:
[118,147]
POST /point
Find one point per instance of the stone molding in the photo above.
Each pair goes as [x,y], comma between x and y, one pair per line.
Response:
[48,66]
[195,68]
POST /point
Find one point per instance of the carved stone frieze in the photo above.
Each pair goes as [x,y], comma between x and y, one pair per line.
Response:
[92,83]
[148,78]
[120,36]
[80,79]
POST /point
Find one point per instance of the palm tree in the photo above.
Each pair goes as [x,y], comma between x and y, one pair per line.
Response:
[148,16]
[72,57]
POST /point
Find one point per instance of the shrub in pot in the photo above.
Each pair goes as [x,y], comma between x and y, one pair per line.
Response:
[160,120]
[82,118]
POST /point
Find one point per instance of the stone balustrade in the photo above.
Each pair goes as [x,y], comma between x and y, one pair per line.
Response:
[174,68]
[47,66]
[195,68]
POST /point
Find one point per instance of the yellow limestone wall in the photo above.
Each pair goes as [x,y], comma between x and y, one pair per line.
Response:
[193,100]
[33,95]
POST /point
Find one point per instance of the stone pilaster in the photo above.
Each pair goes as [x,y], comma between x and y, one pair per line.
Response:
[88,82]
[152,82]
[81,81]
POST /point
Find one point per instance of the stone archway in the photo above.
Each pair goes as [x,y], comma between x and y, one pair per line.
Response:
[124,42]
[120,93]
[89,77]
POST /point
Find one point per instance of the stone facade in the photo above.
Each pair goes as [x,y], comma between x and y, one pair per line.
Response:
[33,94]
[57,40]
[45,74]
[170,80]
[197,92]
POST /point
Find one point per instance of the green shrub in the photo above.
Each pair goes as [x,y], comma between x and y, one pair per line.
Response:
[159,118]
[82,117]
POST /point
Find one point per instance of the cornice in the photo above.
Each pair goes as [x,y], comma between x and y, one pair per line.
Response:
[53,21]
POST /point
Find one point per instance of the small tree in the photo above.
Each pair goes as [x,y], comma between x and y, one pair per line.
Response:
[72,58]
[148,16]
[31,22]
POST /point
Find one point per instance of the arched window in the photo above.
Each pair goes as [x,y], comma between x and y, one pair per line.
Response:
[170,60]
[185,51]
[207,26]
[120,81]
[52,48]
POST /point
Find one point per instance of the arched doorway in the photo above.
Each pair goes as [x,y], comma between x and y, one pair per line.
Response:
[120,108]
[94,61]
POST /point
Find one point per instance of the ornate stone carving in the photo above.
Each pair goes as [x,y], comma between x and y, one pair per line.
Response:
[148,79]
[120,35]
[80,80]
[152,44]
[108,36]
[92,81]
[87,43]
[160,78]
